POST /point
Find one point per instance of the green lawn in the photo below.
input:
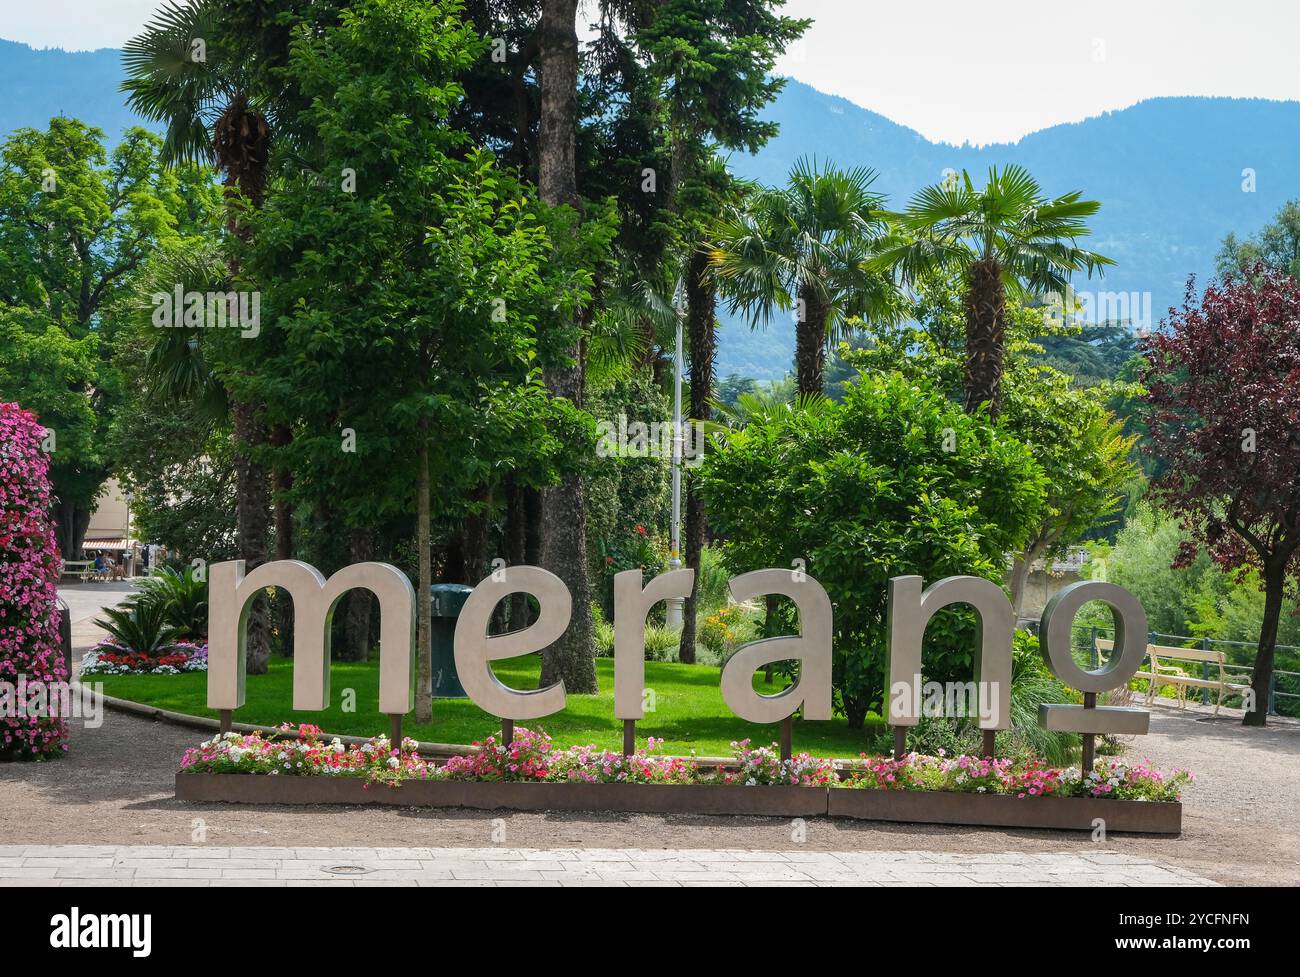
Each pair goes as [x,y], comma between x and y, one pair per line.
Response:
[689,711]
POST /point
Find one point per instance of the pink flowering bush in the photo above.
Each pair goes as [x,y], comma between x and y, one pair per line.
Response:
[1131,782]
[528,757]
[29,577]
[1033,778]
[590,765]
[763,766]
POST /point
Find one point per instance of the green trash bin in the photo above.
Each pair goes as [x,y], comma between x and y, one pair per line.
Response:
[447,599]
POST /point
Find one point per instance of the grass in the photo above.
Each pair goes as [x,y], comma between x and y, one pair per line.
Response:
[689,711]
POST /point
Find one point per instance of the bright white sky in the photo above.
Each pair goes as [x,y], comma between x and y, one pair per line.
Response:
[954,70]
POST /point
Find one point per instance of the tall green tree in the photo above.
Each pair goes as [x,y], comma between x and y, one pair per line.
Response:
[77,225]
[1276,245]
[803,248]
[1008,236]
[1085,456]
[408,299]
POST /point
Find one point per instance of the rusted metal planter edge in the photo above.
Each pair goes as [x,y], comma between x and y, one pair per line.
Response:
[480,795]
[1005,811]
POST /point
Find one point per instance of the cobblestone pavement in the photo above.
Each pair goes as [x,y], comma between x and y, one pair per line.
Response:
[198,865]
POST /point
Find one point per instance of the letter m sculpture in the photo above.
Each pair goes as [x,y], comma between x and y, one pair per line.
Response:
[314,600]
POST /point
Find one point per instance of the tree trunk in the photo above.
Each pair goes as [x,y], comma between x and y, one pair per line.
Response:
[251,490]
[282,480]
[474,538]
[282,516]
[424,615]
[564,516]
[701,323]
[1019,578]
[516,547]
[557,174]
[356,626]
[70,529]
[855,711]
[986,304]
[1020,575]
[810,343]
[1274,590]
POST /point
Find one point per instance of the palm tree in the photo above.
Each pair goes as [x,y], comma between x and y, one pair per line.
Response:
[804,247]
[1007,236]
[186,71]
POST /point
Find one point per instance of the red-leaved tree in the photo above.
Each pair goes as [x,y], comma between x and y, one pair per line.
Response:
[1223,405]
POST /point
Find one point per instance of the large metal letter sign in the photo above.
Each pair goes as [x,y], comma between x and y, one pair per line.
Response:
[812,646]
[910,611]
[314,600]
[1130,648]
[632,603]
[475,648]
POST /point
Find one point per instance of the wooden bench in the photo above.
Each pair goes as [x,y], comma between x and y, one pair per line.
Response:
[1164,672]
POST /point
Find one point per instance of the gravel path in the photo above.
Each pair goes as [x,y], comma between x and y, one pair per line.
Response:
[1241,819]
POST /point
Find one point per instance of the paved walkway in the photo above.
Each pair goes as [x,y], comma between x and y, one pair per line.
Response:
[198,865]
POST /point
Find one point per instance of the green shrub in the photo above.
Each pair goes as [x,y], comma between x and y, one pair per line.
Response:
[712,580]
[872,489]
[140,627]
[661,644]
[182,598]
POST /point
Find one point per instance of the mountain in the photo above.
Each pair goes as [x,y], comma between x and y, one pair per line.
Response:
[36,86]
[1168,171]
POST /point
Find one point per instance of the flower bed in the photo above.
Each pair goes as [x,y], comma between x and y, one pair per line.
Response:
[532,774]
[109,658]
[1109,779]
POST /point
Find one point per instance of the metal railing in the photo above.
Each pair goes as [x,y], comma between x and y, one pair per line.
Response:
[1288,688]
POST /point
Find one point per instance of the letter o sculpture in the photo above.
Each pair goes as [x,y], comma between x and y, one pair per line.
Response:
[1130,635]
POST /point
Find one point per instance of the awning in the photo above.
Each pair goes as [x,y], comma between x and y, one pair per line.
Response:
[117,545]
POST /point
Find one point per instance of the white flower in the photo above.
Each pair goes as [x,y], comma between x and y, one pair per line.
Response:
[393,762]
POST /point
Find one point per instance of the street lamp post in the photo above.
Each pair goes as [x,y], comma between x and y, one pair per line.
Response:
[127,554]
[673,618]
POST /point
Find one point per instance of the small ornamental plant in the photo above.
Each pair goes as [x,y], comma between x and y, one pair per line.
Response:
[29,577]
[527,757]
[112,658]
[1135,782]
[763,766]
[590,765]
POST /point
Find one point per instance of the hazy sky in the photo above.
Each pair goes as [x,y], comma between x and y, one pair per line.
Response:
[955,70]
